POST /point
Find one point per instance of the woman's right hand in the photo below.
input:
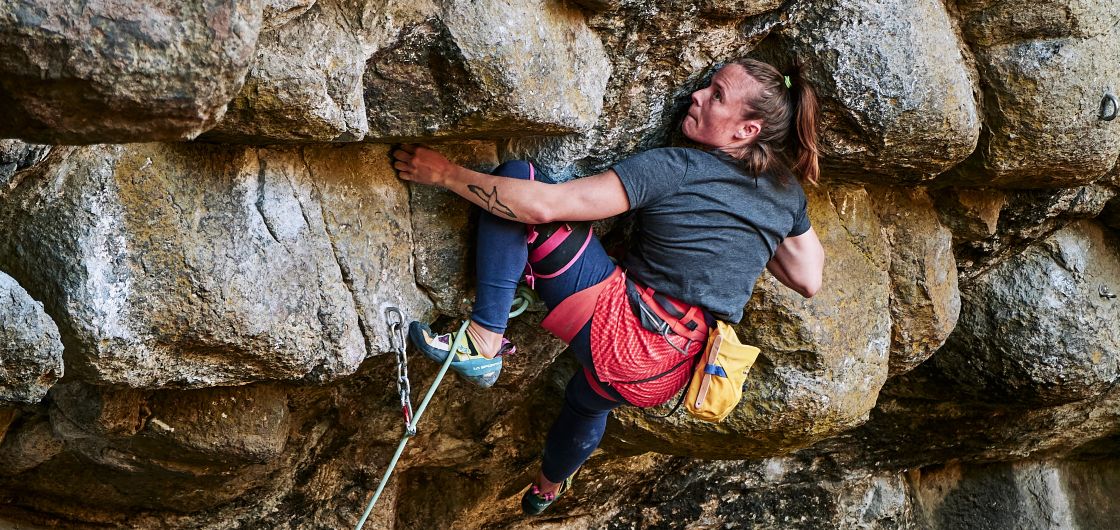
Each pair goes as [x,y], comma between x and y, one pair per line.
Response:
[416,163]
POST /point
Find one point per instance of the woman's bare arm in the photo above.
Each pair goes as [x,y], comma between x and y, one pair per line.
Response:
[586,199]
[799,263]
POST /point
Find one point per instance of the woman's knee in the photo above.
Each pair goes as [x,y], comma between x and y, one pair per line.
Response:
[518,169]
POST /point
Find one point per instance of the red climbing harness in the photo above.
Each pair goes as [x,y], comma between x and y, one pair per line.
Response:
[553,247]
[644,367]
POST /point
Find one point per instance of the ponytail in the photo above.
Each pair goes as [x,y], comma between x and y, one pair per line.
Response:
[783,102]
[805,125]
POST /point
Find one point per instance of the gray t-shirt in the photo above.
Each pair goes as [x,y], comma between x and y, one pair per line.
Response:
[706,230]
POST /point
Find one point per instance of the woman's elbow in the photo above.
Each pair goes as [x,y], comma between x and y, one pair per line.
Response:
[539,214]
[809,286]
[809,289]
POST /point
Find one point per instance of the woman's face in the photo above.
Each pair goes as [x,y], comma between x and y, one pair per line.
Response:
[715,118]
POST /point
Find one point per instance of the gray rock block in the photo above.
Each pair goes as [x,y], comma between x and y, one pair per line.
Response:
[121,71]
[30,346]
[895,84]
[194,265]
[925,300]
[354,70]
[1046,68]
[1039,329]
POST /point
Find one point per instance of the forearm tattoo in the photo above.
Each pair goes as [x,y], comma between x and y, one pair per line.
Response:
[493,205]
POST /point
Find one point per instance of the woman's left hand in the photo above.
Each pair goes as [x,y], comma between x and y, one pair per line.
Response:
[417,163]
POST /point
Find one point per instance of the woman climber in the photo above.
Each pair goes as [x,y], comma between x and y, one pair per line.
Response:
[710,219]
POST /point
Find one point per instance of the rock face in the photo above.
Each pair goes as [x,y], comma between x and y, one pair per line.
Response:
[220,305]
[925,301]
[30,348]
[121,71]
[896,86]
[390,71]
[257,270]
[1040,328]
[1046,74]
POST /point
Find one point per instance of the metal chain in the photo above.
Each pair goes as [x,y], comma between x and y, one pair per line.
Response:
[395,320]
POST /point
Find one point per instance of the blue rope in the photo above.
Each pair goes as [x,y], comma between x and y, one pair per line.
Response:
[521,301]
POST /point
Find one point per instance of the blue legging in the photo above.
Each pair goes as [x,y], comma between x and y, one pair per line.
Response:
[502,252]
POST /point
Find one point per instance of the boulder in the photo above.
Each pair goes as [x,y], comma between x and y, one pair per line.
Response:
[489,69]
[30,346]
[121,71]
[195,265]
[992,225]
[28,446]
[14,157]
[1040,328]
[444,232]
[925,301]
[896,90]
[358,69]
[1046,69]
[823,359]
[305,82]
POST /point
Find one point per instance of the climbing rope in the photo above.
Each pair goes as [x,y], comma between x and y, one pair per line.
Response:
[521,301]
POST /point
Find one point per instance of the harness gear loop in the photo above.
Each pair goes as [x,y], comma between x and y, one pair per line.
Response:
[522,299]
[395,319]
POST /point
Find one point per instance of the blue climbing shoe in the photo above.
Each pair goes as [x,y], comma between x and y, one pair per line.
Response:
[534,502]
[468,363]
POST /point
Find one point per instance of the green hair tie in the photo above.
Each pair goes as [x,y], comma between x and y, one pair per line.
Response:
[788,83]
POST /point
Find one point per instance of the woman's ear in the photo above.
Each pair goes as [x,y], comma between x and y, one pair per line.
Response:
[748,131]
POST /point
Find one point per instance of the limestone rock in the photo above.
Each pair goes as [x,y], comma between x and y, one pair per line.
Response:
[1045,68]
[478,71]
[280,12]
[897,94]
[990,226]
[1110,213]
[390,71]
[192,265]
[14,157]
[773,493]
[121,71]
[736,9]
[925,301]
[183,275]
[214,429]
[28,446]
[823,360]
[972,214]
[1038,329]
[202,448]
[30,347]
[444,234]
[1031,494]
[305,83]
